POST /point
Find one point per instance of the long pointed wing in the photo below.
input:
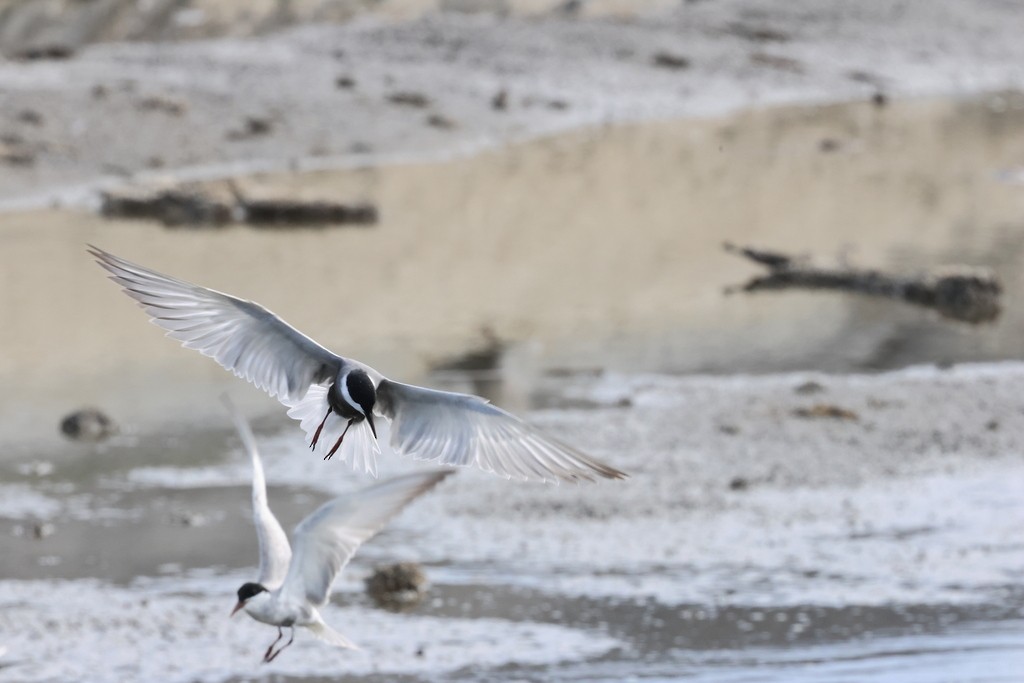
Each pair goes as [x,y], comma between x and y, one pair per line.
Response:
[327,539]
[242,336]
[275,553]
[460,429]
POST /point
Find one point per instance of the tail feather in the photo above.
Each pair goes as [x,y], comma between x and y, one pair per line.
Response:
[330,636]
[359,448]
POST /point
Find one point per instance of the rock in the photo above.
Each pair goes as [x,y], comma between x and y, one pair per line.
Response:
[30,117]
[397,587]
[777,62]
[409,99]
[739,484]
[439,121]
[252,127]
[41,530]
[826,410]
[808,387]
[163,104]
[758,34]
[44,51]
[668,60]
[88,424]
[500,100]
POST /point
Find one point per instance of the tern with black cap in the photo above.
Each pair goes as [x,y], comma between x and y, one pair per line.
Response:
[336,399]
[291,588]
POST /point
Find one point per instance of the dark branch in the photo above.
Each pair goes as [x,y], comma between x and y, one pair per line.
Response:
[965,295]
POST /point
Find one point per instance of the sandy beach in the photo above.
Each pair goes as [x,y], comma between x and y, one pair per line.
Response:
[823,487]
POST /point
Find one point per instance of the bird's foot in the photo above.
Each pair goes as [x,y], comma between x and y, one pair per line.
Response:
[316,434]
[338,443]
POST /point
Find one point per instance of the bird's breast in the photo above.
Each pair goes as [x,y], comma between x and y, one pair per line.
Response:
[340,405]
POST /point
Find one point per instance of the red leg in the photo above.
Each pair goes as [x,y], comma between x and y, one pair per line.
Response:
[316,435]
[274,656]
[340,439]
[266,655]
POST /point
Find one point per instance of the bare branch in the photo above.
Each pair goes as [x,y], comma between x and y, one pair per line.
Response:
[963,294]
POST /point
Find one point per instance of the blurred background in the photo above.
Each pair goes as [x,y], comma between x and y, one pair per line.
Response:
[528,200]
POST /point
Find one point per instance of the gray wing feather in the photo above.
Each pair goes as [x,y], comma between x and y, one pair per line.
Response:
[460,429]
[275,553]
[327,539]
[242,336]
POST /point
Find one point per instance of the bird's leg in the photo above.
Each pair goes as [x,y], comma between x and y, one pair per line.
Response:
[340,439]
[281,649]
[266,655]
[316,434]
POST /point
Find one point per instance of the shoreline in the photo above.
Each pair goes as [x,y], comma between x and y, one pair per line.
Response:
[190,104]
[661,197]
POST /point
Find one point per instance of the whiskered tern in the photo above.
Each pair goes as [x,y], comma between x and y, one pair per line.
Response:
[333,396]
[291,587]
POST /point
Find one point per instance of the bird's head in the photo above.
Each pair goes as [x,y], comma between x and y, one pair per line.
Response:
[247,592]
[358,390]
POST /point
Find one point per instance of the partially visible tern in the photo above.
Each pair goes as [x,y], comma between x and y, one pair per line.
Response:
[291,588]
[332,396]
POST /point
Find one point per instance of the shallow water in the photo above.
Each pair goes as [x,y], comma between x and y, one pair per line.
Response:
[636,214]
[884,549]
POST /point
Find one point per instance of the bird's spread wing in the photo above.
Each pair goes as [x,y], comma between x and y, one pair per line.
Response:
[359,447]
[326,540]
[459,429]
[275,553]
[242,336]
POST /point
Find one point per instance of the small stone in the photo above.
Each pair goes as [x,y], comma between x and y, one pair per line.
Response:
[162,104]
[88,424]
[41,530]
[829,145]
[809,387]
[439,121]
[500,100]
[668,60]
[397,587]
[409,99]
[739,484]
[826,410]
[30,117]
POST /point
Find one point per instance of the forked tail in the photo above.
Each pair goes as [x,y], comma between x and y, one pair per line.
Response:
[330,636]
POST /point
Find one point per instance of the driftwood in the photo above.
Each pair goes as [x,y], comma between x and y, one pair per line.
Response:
[192,208]
[173,208]
[965,295]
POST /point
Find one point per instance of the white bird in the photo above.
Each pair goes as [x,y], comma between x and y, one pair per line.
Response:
[330,394]
[291,588]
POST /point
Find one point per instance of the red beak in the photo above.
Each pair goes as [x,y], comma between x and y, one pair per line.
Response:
[239,606]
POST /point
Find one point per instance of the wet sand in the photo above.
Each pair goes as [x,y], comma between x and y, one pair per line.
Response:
[581,227]
[330,96]
[872,547]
